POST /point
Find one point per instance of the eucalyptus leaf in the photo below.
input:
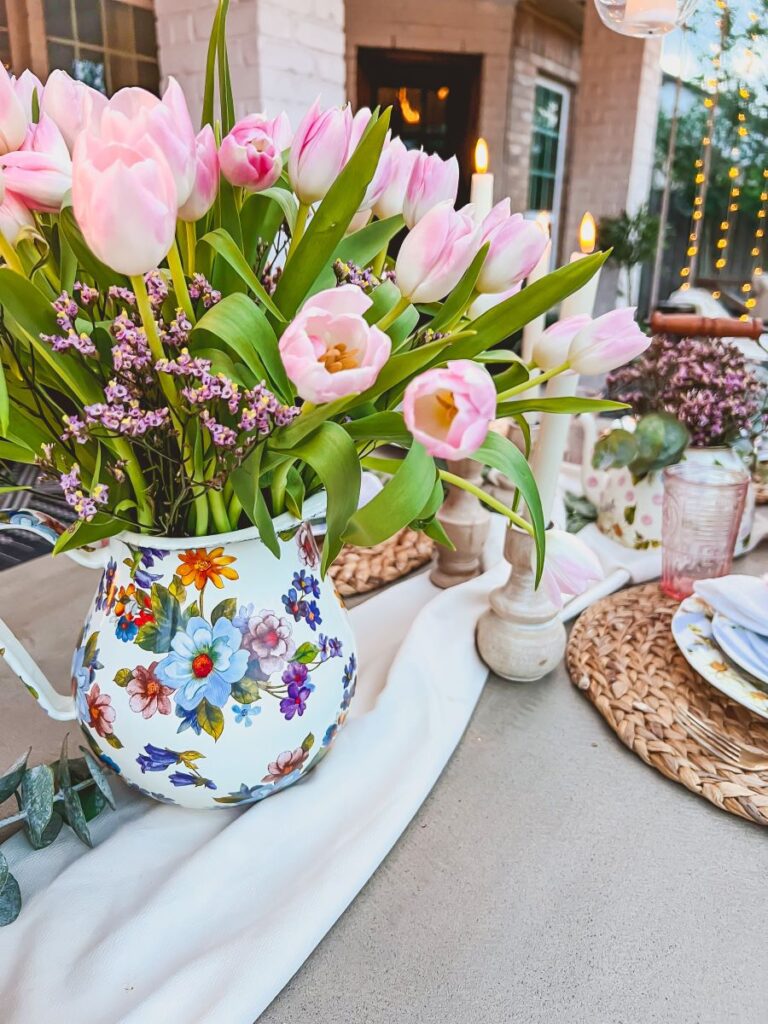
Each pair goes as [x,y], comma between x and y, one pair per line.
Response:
[10,897]
[617,449]
[9,782]
[36,794]
[73,811]
[99,776]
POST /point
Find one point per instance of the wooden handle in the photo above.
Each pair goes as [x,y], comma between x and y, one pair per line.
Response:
[693,326]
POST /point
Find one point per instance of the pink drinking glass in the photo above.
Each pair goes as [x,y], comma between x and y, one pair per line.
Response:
[703,506]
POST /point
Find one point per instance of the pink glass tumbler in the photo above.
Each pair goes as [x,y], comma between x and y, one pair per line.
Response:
[703,506]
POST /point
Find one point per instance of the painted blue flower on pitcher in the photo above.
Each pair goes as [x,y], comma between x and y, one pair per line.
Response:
[204,663]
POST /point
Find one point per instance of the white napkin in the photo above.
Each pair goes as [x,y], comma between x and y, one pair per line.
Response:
[202,917]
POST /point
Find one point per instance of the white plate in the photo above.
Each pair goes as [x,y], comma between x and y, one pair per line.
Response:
[692,630]
[746,648]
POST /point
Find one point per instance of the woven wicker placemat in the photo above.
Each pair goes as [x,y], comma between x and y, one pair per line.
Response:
[622,654]
[360,570]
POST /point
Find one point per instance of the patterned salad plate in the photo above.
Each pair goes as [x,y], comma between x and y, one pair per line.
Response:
[692,630]
[742,645]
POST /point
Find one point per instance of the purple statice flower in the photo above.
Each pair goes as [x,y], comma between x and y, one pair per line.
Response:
[348,272]
[88,295]
[129,420]
[86,506]
[296,701]
[706,383]
[132,350]
[122,294]
[184,365]
[73,339]
[157,288]
[262,411]
[177,332]
[74,428]
[200,288]
[221,435]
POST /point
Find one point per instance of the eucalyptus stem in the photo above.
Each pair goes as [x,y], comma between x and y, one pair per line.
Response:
[190,236]
[301,222]
[389,318]
[9,255]
[488,499]
[533,382]
[58,798]
[180,282]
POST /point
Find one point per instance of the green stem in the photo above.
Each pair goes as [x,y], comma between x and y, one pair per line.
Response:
[489,500]
[378,263]
[190,235]
[389,318]
[218,511]
[278,486]
[234,511]
[9,255]
[533,382]
[298,230]
[138,482]
[202,515]
[180,282]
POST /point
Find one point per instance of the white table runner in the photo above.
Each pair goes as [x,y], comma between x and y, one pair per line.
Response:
[203,917]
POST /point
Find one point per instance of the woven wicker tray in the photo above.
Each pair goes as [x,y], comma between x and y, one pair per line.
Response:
[360,570]
[622,655]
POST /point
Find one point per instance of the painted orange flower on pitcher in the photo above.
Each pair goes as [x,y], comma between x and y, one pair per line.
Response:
[198,566]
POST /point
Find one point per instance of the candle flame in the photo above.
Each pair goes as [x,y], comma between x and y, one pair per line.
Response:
[544,220]
[481,156]
[410,114]
[587,233]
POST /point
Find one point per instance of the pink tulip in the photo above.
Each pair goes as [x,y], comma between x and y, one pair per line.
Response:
[125,201]
[569,567]
[449,409]
[134,115]
[206,186]
[40,173]
[360,122]
[251,155]
[70,104]
[436,253]
[551,348]
[13,120]
[14,217]
[392,198]
[490,300]
[516,245]
[607,343]
[432,181]
[25,87]
[328,350]
[319,151]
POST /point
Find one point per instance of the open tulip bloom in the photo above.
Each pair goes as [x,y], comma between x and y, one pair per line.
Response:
[201,329]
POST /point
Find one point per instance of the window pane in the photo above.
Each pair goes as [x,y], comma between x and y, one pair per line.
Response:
[88,14]
[149,76]
[120,27]
[58,20]
[5,49]
[144,25]
[3,15]
[545,145]
[123,72]
[61,55]
[90,69]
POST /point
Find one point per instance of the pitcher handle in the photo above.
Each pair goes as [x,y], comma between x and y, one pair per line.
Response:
[58,706]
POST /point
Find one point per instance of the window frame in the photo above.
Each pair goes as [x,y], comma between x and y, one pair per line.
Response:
[565,92]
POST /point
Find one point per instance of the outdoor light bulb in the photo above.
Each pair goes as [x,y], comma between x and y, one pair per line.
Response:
[587,233]
[644,17]
[481,156]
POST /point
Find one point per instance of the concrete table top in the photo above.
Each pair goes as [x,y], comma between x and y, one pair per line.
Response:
[550,878]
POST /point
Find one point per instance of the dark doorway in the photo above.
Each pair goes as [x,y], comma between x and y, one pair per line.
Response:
[434,98]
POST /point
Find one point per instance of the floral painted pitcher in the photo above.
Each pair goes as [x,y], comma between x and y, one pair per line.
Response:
[208,673]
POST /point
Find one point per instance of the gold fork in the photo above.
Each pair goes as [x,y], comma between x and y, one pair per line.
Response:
[724,748]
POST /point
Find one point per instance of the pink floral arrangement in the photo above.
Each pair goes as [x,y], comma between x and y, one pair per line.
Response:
[201,328]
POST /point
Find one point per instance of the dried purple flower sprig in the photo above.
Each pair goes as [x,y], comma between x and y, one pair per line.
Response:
[706,383]
[148,433]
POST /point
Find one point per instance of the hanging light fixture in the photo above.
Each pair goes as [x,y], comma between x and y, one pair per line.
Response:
[645,17]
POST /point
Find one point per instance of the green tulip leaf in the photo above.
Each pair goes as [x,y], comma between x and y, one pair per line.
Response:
[399,503]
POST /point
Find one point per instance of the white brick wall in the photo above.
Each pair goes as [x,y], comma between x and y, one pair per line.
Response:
[283,53]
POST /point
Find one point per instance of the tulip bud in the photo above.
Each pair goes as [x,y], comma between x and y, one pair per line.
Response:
[551,348]
[251,155]
[449,409]
[40,173]
[125,202]
[432,181]
[13,120]
[360,122]
[206,186]
[25,87]
[319,151]
[133,115]
[607,342]
[70,104]
[329,350]
[401,160]
[570,567]
[516,245]
[436,253]
[14,217]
